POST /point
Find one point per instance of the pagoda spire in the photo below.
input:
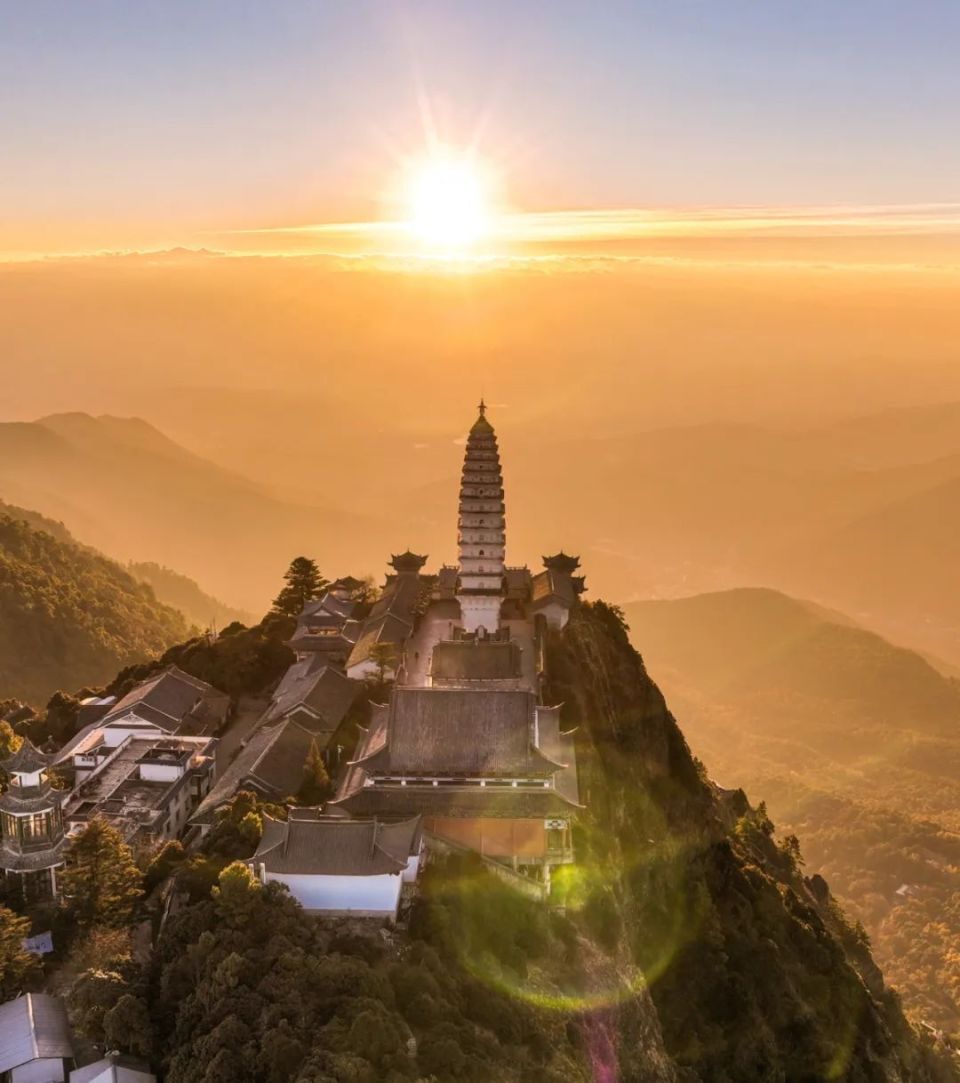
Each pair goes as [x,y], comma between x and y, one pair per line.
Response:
[481,529]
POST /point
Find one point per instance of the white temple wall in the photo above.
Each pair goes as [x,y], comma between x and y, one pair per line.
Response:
[555,614]
[370,894]
[41,1070]
[480,611]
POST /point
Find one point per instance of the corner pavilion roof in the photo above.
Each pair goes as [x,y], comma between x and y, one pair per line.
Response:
[27,760]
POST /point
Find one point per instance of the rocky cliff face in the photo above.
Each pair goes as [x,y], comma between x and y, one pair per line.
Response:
[752,969]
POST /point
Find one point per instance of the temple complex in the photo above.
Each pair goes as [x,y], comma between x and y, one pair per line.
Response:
[465,740]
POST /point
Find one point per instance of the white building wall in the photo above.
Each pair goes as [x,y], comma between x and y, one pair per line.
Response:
[479,610]
[116,733]
[116,1073]
[412,869]
[377,894]
[160,772]
[43,1070]
[555,614]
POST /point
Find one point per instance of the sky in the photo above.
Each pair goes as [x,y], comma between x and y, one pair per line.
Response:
[160,123]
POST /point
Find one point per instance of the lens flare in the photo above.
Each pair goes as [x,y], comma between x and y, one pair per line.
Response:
[601,972]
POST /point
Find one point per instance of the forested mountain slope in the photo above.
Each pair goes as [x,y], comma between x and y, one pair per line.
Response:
[70,617]
[181,592]
[854,745]
[754,971]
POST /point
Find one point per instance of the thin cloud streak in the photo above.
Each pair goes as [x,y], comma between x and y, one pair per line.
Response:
[577,226]
[546,264]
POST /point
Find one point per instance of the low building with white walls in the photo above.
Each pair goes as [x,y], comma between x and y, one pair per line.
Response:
[337,866]
[169,702]
[114,1068]
[35,1040]
[147,787]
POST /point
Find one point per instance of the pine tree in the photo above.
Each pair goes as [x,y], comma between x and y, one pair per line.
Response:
[101,881]
[9,741]
[127,1026]
[16,965]
[316,781]
[303,583]
[384,657]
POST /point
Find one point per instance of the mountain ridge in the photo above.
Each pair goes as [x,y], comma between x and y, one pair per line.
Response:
[853,743]
[168,506]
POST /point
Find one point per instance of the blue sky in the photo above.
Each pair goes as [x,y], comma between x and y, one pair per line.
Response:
[158,118]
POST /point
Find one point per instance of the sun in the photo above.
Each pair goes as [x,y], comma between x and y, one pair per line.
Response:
[449,202]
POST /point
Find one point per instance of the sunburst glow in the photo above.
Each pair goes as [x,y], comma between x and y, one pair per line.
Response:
[449,202]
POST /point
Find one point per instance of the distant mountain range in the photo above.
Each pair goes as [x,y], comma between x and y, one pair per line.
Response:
[184,594]
[123,487]
[862,515]
[854,744]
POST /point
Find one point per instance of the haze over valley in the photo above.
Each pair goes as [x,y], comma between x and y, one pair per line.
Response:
[479,535]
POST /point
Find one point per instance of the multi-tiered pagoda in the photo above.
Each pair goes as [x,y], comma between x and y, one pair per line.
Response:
[481,530]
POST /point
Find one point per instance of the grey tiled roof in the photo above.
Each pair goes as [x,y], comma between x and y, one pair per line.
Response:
[28,799]
[324,691]
[453,801]
[33,1027]
[75,741]
[552,585]
[33,860]
[279,768]
[311,843]
[435,731]
[328,604]
[560,747]
[273,757]
[166,698]
[28,759]
[391,618]
[233,777]
[518,579]
[386,629]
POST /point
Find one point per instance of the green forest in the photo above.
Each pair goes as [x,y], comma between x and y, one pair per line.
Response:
[854,745]
[69,617]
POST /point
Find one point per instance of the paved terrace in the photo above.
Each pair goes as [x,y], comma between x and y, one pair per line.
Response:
[437,624]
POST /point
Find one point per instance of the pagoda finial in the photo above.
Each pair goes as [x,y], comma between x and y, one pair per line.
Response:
[482,407]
